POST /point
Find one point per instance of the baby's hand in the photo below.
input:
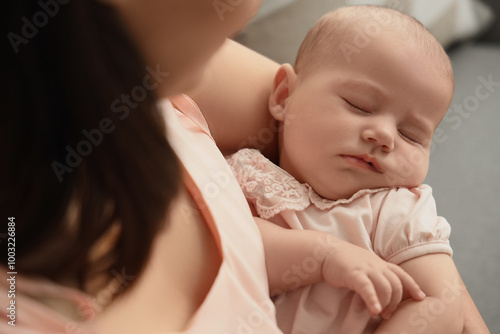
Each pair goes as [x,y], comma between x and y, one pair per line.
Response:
[379,283]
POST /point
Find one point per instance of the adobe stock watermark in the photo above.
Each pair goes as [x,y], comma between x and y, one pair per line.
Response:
[266,134]
[222,7]
[364,35]
[119,282]
[463,110]
[250,323]
[406,166]
[122,107]
[430,311]
[298,273]
[30,28]
[89,309]
[219,180]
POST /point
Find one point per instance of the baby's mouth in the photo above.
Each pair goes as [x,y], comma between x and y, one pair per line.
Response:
[363,161]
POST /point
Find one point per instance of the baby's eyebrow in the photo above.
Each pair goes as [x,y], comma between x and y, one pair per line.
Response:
[366,86]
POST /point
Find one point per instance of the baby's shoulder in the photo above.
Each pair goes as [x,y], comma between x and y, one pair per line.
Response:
[401,204]
[406,196]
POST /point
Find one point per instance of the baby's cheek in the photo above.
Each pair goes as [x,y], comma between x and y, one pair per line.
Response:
[421,163]
[408,171]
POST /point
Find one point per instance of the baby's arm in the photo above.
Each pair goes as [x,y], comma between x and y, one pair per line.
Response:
[441,311]
[296,258]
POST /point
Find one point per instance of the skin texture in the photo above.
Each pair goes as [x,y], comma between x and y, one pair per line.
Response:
[181,35]
[376,106]
[442,288]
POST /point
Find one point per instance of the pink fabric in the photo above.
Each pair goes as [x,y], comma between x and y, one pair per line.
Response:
[397,224]
[238,301]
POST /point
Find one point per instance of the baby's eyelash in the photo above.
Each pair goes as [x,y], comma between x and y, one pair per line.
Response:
[408,137]
[363,111]
[356,107]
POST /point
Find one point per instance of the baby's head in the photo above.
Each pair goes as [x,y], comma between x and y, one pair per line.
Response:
[359,109]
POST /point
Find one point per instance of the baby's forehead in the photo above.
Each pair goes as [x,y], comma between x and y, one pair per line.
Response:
[341,35]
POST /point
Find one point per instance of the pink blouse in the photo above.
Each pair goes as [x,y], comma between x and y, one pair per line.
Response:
[397,224]
[238,301]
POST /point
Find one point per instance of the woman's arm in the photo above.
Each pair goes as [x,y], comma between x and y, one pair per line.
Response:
[474,323]
[233,97]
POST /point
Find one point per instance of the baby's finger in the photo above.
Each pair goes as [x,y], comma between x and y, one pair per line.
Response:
[383,287]
[365,288]
[409,284]
[396,295]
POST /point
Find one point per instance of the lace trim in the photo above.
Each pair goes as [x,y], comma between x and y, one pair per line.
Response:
[273,190]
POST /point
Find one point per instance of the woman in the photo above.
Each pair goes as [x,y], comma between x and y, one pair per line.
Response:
[100,202]
[98,196]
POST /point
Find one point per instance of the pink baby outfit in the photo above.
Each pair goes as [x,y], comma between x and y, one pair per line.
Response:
[397,224]
[238,301]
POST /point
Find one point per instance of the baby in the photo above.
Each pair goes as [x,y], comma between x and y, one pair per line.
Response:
[357,115]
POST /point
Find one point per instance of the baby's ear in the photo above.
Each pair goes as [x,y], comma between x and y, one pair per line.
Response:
[283,86]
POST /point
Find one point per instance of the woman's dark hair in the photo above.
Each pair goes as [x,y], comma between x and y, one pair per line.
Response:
[83,144]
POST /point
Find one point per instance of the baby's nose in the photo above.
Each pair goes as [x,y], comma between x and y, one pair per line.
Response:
[381,136]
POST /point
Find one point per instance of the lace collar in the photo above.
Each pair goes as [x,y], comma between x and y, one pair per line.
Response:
[273,190]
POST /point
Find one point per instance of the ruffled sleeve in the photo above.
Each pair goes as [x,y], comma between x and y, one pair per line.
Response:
[408,226]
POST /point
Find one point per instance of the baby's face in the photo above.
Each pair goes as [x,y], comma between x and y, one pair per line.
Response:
[364,124]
